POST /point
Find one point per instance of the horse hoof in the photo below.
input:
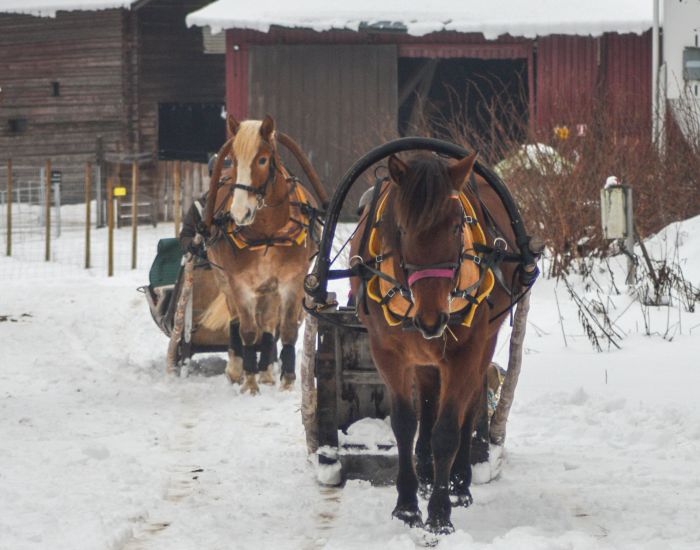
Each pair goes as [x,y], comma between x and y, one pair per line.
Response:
[234,370]
[410,516]
[440,526]
[250,385]
[462,501]
[266,377]
[287,381]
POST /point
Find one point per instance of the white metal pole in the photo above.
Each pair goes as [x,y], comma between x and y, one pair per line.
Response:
[655,122]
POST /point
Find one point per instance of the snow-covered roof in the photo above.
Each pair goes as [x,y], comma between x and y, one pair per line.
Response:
[48,8]
[528,18]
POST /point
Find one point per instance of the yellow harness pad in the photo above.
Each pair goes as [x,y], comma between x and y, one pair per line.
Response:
[397,307]
[292,233]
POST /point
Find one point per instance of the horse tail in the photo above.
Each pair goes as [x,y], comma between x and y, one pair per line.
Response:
[217,316]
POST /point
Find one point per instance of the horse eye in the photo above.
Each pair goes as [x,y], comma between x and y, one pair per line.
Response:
[262,161]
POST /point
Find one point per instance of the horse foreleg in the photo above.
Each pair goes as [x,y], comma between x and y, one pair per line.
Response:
[267,349]
[289,331]
[461,474]
[249,335]
[445,443]
[399,380]
[234,368]
[428,385]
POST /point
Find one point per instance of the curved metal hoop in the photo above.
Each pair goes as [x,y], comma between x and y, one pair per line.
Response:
[316,282]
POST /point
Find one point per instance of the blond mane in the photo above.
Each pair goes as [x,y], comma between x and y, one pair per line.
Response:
[248,140]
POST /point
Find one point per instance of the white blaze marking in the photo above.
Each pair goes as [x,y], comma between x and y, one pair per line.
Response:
[242,200]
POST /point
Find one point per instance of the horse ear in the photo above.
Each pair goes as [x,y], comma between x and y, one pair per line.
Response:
[232,125]
[397,169]
[460,170]
[267,127]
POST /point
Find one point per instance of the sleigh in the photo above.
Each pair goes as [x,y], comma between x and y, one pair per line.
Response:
[163,293]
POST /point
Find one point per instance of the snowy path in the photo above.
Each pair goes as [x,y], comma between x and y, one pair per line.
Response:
[100,450]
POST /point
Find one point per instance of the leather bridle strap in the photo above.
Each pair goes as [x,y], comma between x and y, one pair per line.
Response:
[430,272]
[260,191]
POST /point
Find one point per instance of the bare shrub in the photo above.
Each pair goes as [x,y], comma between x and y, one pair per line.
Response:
[556,178]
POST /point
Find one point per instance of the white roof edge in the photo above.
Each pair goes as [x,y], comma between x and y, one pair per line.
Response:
[492,19]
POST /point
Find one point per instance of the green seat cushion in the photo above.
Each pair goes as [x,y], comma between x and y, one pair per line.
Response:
[167,263]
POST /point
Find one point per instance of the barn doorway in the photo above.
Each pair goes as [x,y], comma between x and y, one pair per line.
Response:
[190,131]
[490,96]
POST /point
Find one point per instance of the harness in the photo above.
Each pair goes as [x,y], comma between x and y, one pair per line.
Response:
[294,232]
[300,225]
[472,272]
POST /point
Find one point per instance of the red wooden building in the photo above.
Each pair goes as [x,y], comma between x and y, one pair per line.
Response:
[342,79]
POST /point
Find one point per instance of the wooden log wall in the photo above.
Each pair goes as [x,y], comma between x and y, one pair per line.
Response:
[82,54]
[112,69]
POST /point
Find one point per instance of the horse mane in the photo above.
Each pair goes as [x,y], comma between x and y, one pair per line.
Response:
[247,140]
[423,194]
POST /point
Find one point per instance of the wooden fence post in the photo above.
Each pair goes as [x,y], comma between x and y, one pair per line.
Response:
[177,181]
[9,207]
[47,210]
[110,227]
[134,211]
[88,203]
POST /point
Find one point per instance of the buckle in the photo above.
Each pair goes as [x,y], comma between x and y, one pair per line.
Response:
[468,220]
[477,260]
[379,259]
[497,243]
[391,293]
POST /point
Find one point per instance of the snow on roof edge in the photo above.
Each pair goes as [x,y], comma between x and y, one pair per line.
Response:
[554,17]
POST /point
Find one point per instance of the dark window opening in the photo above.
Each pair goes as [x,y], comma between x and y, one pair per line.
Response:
[17,125]
[55,89]
[488,96]
[190,131]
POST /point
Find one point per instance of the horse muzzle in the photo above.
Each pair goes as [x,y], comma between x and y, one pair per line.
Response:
[435,330]
[247,217]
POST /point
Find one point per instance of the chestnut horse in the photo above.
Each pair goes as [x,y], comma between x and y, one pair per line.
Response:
[261,249]
[425,235]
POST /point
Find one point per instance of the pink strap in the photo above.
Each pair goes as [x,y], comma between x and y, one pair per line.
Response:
[425,273]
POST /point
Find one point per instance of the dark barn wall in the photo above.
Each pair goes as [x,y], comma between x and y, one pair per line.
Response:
[84,53]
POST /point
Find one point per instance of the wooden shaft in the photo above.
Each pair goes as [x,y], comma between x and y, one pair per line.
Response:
[134,212]
[515,360]
[308,384]
[110,228]
[9,207]
[177,181]
[88,203]
[47,210]
[172,356]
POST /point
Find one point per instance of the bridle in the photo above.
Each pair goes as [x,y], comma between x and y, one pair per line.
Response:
[260,191]
[443,270]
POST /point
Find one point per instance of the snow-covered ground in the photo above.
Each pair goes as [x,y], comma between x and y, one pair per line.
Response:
[99,449]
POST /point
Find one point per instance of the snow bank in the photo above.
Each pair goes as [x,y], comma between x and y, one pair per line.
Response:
[48,8]
[492,18]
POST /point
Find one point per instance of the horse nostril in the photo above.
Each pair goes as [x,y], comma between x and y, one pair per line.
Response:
[431,331]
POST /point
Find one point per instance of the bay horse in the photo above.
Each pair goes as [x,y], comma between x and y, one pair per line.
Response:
[261,249]
[423,233]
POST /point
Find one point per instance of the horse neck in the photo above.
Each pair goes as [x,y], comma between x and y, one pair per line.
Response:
[275,214]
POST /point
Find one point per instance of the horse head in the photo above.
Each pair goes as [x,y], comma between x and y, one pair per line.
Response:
[429,225]
[254,169]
